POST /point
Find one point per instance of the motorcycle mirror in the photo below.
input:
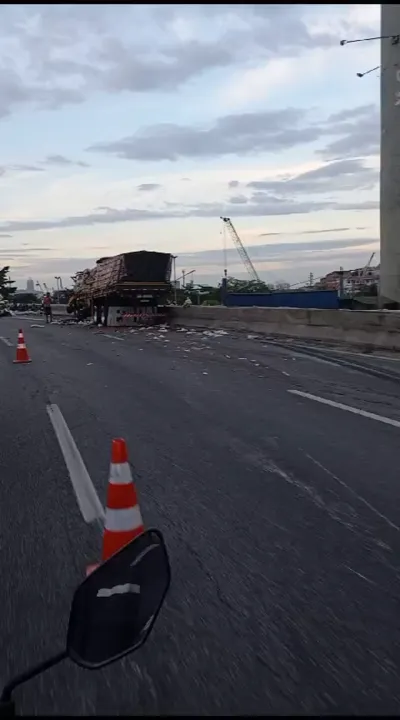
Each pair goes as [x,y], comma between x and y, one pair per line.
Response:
[114,609]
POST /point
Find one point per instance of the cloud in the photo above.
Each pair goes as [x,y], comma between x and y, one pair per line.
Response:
[312,232]
[60,160]
[51,160]
[262,205]
[54,55]
[238,199]
[360,130]
[250,133]
[7,169]
[274,252]
[208,262]
[148,187]
[336,176]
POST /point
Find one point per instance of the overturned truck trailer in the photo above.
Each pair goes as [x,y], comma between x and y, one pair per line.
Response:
[127,289]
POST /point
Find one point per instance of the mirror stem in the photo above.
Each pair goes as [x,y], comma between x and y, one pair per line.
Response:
[31,673]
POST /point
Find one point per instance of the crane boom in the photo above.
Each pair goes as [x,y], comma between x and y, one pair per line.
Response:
[241,249]
[370,261]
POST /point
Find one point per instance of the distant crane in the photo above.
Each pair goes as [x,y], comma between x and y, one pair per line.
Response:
[38,285]
[365,268]
[244,256]
[184,276]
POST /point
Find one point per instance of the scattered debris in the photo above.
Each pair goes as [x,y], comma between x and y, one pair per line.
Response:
[213,333]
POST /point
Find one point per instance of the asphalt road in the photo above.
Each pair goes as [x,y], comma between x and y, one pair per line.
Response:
[281,515]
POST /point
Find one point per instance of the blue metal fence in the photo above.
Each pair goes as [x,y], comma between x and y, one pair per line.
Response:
[319,299]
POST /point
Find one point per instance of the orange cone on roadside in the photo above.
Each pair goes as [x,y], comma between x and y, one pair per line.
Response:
[22,353]
[123,521]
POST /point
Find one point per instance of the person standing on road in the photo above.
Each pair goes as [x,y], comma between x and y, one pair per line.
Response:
[47,307]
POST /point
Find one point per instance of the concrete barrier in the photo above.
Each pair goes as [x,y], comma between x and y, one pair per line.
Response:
[380,329]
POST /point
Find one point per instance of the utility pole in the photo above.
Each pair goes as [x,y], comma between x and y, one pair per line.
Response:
[341,282]
[389,291]
[390,157]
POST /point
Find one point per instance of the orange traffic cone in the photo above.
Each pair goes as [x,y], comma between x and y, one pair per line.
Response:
[123,517]
[22,353]
[123,521]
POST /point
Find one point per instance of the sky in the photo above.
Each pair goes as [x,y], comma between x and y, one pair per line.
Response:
[135,127]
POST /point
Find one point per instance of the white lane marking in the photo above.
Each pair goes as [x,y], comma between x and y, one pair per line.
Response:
[353,492]
[340,406]
[6,341]
[86,495]
[112,337]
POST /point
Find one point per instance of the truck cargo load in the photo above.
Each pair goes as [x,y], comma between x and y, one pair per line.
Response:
[141,268]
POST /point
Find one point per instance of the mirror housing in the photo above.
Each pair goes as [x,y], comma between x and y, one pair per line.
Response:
[114,609]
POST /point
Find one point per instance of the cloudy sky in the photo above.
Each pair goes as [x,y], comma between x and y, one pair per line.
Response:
[136,127]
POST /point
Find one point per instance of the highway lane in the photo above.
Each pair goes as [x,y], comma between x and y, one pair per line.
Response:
[281,516]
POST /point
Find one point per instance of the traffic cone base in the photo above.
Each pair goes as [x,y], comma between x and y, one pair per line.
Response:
[114,541]
[22,353]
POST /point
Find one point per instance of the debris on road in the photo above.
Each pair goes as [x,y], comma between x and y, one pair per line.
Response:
[214,333]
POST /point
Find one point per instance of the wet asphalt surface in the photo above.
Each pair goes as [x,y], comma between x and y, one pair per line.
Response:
[281,517]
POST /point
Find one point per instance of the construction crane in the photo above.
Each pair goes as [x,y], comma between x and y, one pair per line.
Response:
[38,285]
[365,268]
[244,256]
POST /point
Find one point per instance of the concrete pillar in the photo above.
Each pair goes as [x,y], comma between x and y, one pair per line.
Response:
[390,157]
